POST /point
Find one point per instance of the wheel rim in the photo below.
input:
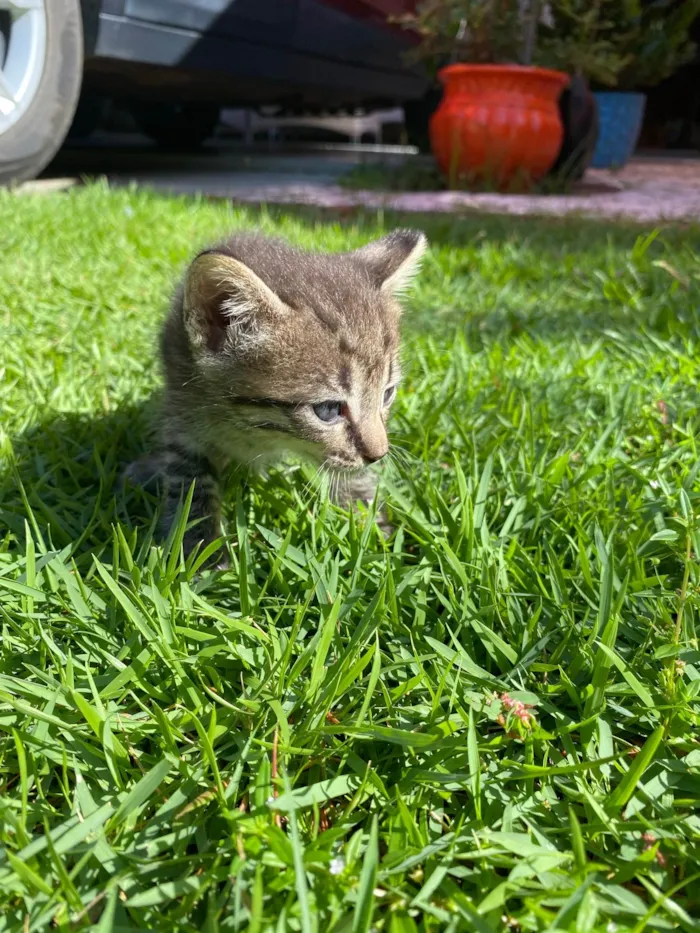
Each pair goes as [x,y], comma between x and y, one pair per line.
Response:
[22,56]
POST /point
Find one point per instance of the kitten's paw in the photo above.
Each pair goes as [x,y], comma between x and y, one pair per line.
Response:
[145,472]
[217,560]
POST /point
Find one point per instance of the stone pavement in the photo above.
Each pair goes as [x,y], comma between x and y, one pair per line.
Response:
[648,190]
[598,195]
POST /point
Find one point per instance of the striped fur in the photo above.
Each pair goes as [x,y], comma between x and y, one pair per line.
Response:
[259,333]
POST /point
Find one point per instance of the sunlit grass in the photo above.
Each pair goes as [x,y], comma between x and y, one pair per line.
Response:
[489,723]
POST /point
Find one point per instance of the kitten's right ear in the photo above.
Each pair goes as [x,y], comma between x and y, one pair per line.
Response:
[393,260]
[226,303]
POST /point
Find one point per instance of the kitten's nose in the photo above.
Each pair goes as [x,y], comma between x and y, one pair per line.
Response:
[374,457]
[373,443]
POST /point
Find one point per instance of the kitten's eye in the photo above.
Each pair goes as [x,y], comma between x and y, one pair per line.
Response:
[389,396]
[329,411]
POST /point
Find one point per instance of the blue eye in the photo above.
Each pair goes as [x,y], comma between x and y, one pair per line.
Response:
[389,395]
[329,411]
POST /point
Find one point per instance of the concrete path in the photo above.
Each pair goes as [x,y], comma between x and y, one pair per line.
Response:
[596,196]
[650,190]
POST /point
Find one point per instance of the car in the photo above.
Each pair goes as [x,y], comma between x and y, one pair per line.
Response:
[176,63]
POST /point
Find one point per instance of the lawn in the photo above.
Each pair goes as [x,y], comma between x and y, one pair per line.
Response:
[488,723]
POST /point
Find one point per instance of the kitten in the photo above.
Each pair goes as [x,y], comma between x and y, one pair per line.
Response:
[271,350]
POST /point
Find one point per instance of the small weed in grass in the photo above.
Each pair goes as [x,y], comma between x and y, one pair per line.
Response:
[489,723]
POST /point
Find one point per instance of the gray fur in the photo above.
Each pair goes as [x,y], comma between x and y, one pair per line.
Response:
[258,333]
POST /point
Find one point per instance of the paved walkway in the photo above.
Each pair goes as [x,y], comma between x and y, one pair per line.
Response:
[596,196]
[649,190]
[644,191]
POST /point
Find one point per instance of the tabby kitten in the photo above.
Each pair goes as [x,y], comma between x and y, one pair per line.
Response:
[271,350]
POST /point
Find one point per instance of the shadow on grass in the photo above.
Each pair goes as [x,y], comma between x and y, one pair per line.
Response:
[64,477]
[64,481]
[550,234]
[67,469]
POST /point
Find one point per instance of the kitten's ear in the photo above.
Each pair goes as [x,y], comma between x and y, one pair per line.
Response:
[226,302]
[394,260]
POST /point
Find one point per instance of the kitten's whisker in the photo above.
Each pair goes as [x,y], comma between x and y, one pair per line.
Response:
[395,457]
[400,447]
[305,490]
[196,378]
[308,487]
[400,468]
[335,493]
[332,478]
[319,477]
[406,456]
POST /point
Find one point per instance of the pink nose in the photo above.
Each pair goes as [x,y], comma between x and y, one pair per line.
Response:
[372,443]
[373,455]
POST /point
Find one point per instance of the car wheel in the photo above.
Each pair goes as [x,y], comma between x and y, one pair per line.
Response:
[176,126]
[41,69]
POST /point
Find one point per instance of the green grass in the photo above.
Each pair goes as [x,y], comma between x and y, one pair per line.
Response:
[490,723]
[420,173]
[415,174]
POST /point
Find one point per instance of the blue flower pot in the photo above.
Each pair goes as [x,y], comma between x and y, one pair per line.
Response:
[620,115]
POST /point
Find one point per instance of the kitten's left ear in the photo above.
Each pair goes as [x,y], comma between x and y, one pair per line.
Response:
[394,260]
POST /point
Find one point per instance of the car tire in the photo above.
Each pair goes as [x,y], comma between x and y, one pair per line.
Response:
[176,126]
[30,142]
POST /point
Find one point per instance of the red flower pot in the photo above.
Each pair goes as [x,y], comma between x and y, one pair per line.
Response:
[497,124]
